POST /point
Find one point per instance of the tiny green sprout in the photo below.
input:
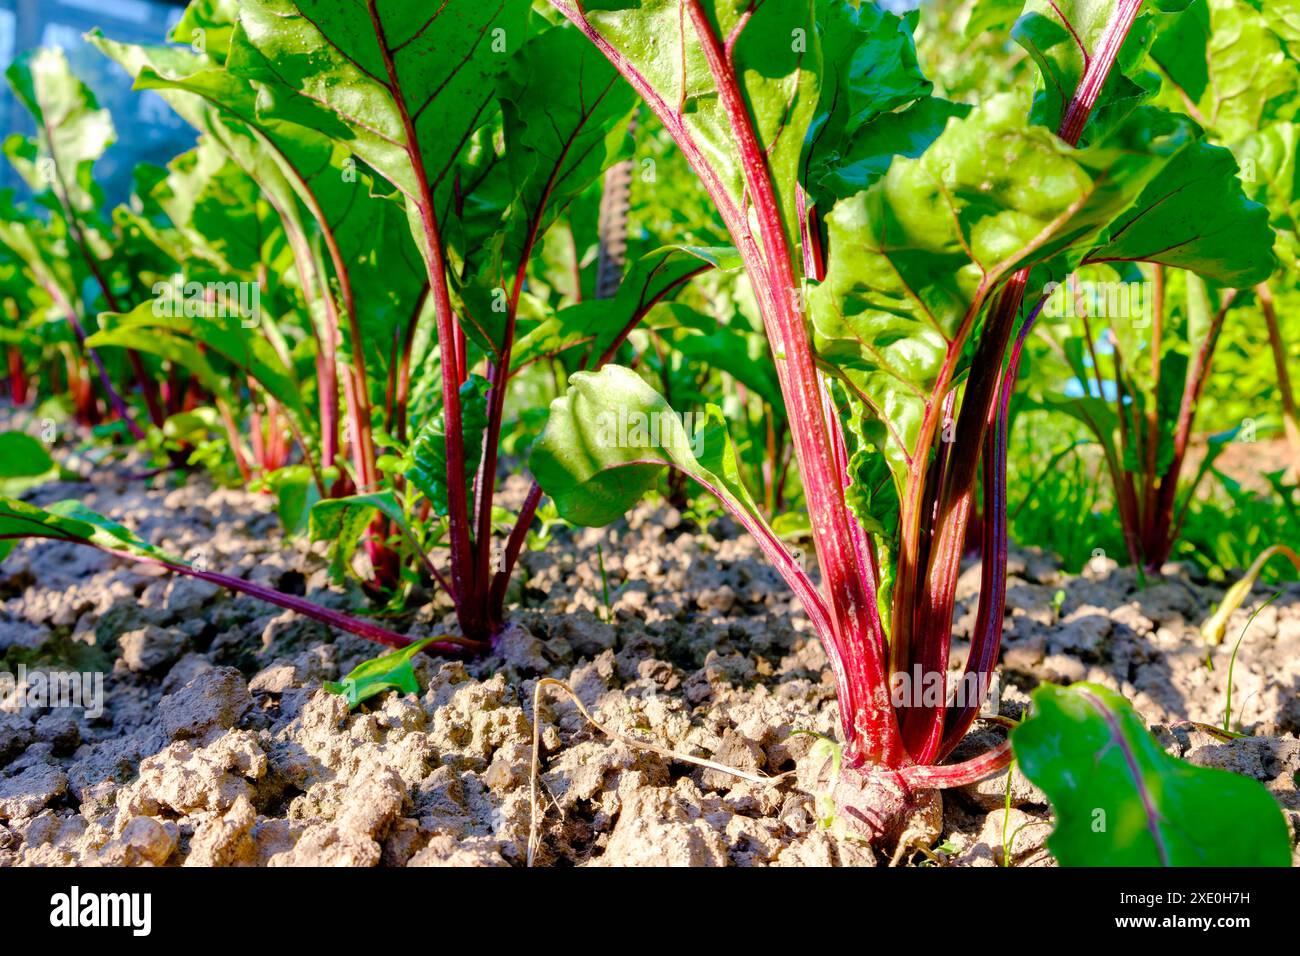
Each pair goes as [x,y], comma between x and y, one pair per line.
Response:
[1006,811]
[1235,596]
[1058,601]
[828,751]
[387,672]
[702,512]
[938,856]
[548,519]
[1232,661]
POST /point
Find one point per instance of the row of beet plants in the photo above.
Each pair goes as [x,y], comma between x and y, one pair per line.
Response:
[361,236]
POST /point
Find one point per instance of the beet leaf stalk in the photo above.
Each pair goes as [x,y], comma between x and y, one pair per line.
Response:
[924,726]
[1276,344]
[72,522]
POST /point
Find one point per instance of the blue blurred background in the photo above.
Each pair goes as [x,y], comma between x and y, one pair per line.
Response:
[147,130]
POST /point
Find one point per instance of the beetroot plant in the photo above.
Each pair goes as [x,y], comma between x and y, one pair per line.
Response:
[1135,344]
[898,246]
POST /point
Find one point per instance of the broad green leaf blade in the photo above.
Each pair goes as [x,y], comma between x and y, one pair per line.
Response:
[866,157]
[869,74]
[23,456]
[206,27]
[30,243]
[740,353]
[1063,36]
[609,438]
[163,326]
[181,351]
[1269,169]
[870,65]
[24,463]
[1240,74]
[108,533]
[217,104]
[1234,66]
[872,496]
[1180,49]
[367,74]
[873,493]
[1120,800]
[992,16]
[913,259]
[1283,17]
[216,208]
[565,114]
[305,173]
[1194,216]
[390,671]
[296,493]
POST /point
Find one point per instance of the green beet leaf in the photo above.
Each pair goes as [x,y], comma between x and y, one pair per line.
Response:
[207,26]
[1120,800]
[1234,66]
[565,113]
[73,132]
[914,258]
[399,83]
[1194,215]
[597,324]
[71,521]
[307,174]
[728,347]
[609,438]
[775,58]
[869,74]
[1062,36]
[155,328]
[24,463]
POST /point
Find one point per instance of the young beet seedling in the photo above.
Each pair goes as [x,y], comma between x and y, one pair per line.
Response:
[1142,417]
[890,238]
